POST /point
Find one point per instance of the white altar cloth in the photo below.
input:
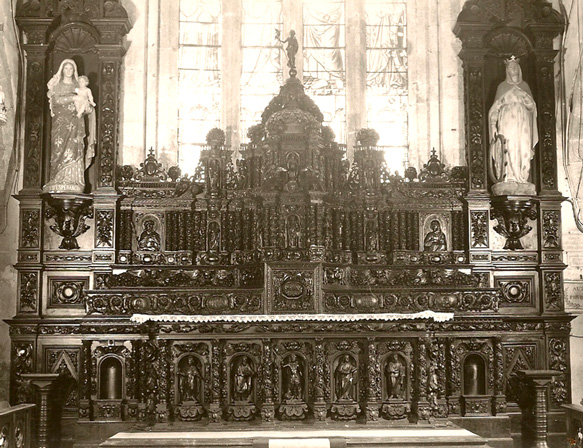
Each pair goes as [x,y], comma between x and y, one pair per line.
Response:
[260,318]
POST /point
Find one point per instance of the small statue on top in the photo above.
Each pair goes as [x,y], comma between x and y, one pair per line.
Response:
[291,50]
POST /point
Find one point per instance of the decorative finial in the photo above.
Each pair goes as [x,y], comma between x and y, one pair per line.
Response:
[151,152]
[291,50]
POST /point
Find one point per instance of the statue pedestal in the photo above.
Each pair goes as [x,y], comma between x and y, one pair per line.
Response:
[69,211]
[513,189]
[189,411]
[293,410]
[345,410]
[242,411]
[395,409]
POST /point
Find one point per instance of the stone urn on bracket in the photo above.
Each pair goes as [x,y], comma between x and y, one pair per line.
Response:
[69,211]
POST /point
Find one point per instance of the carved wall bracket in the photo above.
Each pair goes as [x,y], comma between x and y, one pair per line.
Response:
[69,212]
[512,214]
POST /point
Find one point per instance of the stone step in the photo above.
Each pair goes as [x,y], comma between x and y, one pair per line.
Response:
[352,437]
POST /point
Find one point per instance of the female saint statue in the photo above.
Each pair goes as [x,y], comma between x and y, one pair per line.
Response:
[513,133]
[69,156]
[435,238]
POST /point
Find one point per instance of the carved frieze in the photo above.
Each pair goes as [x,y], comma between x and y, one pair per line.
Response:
[406,301]
[178,303]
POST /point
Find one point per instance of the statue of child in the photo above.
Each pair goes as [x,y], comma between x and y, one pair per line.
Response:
[84,97]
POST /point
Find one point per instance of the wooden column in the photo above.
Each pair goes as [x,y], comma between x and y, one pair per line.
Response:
[541,380]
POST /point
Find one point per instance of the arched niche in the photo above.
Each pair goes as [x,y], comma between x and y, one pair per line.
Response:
[110,378]
[491,32]
[475,375]
[92,34]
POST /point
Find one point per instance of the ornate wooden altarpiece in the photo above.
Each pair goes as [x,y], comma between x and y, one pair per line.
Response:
[276,274]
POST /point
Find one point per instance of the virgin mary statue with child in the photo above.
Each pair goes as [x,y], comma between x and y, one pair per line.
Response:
[513,133]
[70,156]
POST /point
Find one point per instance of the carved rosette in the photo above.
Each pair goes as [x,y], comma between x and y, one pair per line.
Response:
[516,291]
[67,292]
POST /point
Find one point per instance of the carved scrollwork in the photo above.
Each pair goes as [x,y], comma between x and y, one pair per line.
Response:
[167,303]
[551,238]
[30,233]
[104,228]
[29,290]
[479,223]
[553,296]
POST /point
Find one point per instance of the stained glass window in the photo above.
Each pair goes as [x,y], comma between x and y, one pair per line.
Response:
[324,65]
[386,76]
[261,75]
[199,80]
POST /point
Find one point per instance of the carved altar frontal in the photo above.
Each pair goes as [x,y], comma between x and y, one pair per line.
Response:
[290,284]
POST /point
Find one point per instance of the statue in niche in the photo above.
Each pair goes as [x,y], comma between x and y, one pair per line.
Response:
[294,231]
[435,239]
[293,385]
[70,156]
[292,47]
[292,175]
[214,236]
[395,378]
[149,239]
[345,381]
[189,381]
[371,237]
[243,380]
[513,133]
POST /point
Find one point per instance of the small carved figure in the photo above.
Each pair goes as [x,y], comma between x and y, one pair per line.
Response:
[433,386]
[371,237]
[579,438]
[70,156]
[435,239]
[513,129]
[84,98]
[189,381]
[294,389]
[396,377]
[345,379]
[292,47]
[214,176]
[149,239]
[214,236]
[243,384]
[294,231]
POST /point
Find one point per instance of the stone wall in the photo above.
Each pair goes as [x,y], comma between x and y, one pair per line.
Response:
[9,184]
